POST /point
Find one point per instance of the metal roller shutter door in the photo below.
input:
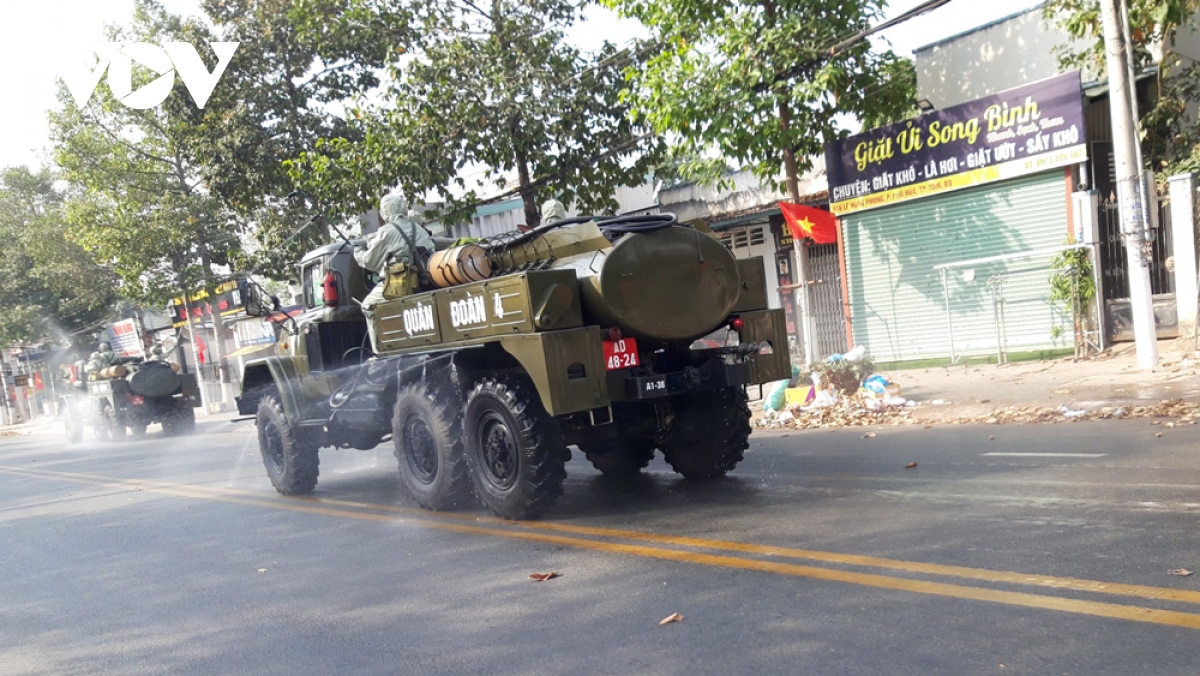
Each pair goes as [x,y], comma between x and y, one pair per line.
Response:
[896,296]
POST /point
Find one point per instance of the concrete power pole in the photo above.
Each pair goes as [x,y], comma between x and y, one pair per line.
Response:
[1122,101]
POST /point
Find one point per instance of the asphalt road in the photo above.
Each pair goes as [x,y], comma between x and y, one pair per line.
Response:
[821,554]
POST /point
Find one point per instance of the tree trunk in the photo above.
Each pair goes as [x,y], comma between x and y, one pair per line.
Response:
[806,322]
[533,217]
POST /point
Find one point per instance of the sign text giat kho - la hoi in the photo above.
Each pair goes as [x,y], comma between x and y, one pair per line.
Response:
[1019,131]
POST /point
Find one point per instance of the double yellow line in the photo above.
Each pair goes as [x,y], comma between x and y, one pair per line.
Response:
[684,549]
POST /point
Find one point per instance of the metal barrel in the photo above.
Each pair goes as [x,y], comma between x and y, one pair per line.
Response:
[459,265]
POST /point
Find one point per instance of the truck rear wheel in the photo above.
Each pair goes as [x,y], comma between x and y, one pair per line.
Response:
[185,420]
[619,457]
[427,438]
[514,448]
[288,452]
[709,434]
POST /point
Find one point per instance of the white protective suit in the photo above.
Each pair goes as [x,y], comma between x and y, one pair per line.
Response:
[386,246]
[552,211]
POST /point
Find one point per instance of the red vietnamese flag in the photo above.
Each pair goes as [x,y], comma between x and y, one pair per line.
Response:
[817,224]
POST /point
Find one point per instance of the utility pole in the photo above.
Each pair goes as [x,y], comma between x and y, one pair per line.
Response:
[1122,100]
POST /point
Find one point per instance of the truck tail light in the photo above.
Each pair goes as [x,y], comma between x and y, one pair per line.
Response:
[329,289]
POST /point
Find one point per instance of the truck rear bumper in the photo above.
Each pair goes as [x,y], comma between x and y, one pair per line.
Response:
[710,376]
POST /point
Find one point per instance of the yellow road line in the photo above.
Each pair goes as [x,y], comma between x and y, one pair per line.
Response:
[1093,608]
[981,574]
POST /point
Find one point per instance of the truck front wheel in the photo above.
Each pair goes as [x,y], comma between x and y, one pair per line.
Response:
[428,446]
[288,452]
[113,422]
[709,434]
[514,448]
[73,427]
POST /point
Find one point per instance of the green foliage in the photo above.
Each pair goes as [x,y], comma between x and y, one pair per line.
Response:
[722,81]
[1170,136]
[1072,284]
[483,92]
[136,201]
[51,288]
[297,66]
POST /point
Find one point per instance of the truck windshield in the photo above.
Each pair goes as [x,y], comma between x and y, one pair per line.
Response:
[313,284]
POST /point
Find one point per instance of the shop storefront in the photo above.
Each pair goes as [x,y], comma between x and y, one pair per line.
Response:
[950,221]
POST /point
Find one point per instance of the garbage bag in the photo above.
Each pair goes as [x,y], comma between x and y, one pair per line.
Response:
[876,383]
[776,396]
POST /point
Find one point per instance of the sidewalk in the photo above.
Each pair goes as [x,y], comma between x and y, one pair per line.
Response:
[1037,391]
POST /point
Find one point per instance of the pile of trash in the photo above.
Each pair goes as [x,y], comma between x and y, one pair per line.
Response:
[844,392]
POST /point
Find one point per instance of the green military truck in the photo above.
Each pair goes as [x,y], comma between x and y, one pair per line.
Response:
[620,337]
[119,398]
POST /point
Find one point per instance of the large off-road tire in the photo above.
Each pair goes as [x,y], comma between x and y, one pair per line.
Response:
[709,433]
[73,427]
[427,437]
[112,422]
[514,449]
[185,420]
[289,453]
[179,422]
[620,457]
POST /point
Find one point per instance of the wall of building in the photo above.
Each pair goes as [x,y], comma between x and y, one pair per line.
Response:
[691,201]
[1007,53]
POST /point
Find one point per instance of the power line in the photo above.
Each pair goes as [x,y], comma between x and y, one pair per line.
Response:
[826,53]
[629,54]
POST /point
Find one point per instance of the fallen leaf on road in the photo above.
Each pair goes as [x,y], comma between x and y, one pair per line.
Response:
[1157,435]
[869,435]
[991,437]
[542,577]
[262,570]
[1181,572]
[910,465]
[673,617]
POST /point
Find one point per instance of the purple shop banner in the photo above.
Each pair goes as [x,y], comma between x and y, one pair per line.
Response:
[1019,131]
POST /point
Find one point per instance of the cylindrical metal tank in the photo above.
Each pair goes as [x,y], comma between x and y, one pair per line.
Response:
[155,380]
[674,283]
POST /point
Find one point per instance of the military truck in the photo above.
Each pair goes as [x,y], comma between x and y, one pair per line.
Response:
[121,398]
[593,333]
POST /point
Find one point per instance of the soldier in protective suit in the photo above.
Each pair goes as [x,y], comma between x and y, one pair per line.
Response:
[107,356]
[391,248]
[552,211]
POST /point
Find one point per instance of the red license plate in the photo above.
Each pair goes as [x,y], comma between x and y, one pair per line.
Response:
[136,400]
[620,354]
